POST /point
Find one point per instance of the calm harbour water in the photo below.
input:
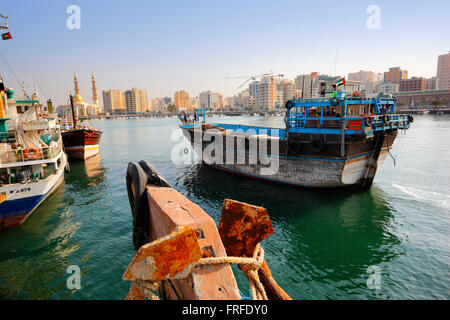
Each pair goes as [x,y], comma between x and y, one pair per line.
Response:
[324,241]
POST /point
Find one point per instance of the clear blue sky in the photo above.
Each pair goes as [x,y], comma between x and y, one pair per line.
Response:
[164,46]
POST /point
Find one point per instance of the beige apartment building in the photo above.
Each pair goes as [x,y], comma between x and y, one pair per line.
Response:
[181,100]
[307,86]
[136,100]
[114,101]
[266,94]
[395,75]
[443,71]
[287,90]
[363,76]
[211,100]
[413,84]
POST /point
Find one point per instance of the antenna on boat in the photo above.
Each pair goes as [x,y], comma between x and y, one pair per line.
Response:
[335,61]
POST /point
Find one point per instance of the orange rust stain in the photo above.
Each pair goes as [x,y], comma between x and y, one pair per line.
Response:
[242,226]
[171,255]
[135,293]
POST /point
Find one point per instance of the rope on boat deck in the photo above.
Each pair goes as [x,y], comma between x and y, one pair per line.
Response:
[249,266]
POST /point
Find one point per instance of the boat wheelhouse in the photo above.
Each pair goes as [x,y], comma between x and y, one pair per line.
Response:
[336,141]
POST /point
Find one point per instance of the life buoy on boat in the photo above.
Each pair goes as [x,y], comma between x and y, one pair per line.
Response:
[31,153]
[137,179]
[334,101]
[411,118]
[289,104]
[294,147]
[317,145]
[386,119]
[368,121]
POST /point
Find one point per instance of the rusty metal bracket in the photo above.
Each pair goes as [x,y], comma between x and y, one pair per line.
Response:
[242,226]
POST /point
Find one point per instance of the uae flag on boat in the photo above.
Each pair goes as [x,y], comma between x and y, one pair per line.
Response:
[6,36]
[340,81]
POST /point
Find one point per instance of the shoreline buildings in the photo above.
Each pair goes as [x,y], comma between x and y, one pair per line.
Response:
[136,101]
[443,71]
[182,101]
[210,100]
[114,101]
[130,101]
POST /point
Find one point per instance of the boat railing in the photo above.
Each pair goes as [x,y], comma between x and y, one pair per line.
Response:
[355,124]
[239,128]
[7,137]
[31,154]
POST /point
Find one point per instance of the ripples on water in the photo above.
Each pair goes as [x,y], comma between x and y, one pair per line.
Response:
[324,241]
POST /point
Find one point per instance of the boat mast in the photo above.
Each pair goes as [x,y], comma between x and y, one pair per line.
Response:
[4,24]
[74,118]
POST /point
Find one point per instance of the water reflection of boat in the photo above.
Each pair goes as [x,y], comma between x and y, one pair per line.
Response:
[337,234]
[86,174]
[93,167]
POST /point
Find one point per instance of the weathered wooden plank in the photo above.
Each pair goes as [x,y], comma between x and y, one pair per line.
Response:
[170,209]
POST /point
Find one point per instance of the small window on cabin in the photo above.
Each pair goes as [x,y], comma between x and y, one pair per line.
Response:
[19,109]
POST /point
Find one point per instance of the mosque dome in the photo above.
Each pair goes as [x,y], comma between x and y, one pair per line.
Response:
[78,98]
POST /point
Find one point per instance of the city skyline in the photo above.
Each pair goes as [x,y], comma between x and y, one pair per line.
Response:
[173,50]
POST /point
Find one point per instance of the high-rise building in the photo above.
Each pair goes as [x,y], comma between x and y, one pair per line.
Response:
[136,100]
[287,89]
[253,88]
[307,85]
[181,100]
[211,100]
[413,84]
[249,102]
[443,71]
[363,76]
[114,101]
[395,75]
[266,94]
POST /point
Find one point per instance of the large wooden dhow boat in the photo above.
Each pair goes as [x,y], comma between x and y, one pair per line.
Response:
[80,142]
[327,142]
[32,159]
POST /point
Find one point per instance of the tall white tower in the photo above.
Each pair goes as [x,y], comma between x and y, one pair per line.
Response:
[94,90]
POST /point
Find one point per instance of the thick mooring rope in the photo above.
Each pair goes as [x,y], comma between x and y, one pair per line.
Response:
[249,266]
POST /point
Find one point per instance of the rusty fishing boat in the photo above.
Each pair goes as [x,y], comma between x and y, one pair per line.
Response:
[182,255]
[337,140]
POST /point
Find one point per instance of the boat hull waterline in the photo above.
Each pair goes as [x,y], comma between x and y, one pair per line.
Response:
[23,203]
[81,144]
[315,171]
